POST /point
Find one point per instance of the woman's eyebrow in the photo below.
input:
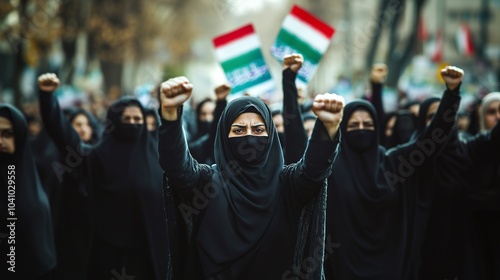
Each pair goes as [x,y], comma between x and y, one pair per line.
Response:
[258,124]
[239,125]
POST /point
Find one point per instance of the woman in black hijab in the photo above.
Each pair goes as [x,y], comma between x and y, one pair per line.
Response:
[29,239]
[461,235]
[376,209]
[70,203]
[203,148]
[403,128]
[124,182]
[246,209]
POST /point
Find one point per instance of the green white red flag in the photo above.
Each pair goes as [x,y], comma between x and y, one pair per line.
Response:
[240,55]
[303,33]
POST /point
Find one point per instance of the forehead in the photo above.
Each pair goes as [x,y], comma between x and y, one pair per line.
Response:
[132,110]
[249,118]
[360,115]
[209,105]
[5,123]
[80,118]
[494,104]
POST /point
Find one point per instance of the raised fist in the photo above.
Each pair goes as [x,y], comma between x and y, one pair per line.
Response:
[222,91]
[293,61]
[48,82]
[379,72]
[452,76]
[329,108]
[173,93]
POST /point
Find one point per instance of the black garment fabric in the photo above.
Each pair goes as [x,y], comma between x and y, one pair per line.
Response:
[295,135]
[459,241]
[377,209]
[45,153]
[31,231]
[124,183]
[377,102]
[245,218]
[403,129]
[203,149]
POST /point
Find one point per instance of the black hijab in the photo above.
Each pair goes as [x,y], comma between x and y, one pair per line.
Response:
[154,113]
[72,113]
[360,214]
[403,129]
[202,127]
[35,252]
[128,197]
[249,192]
[422,115]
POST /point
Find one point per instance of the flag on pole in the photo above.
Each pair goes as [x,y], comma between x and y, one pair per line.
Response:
[464,40]
[303,33]
[241,58]
[434,48]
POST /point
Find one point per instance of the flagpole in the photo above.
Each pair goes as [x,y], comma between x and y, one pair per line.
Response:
[442,23]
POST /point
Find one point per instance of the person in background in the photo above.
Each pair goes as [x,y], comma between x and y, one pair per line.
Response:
[33,250]
[203,149]
[376,205]
[123,180]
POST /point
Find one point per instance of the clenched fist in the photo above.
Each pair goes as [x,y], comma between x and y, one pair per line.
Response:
[379,72]
[293,61]
[329,108]
[452,76]
[173,93]
[48,82]
[222,91]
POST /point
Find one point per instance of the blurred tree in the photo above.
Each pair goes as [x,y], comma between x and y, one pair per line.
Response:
[399,50]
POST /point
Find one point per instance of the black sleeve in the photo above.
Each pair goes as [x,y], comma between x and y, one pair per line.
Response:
[377,100]
[58,127]
[295,134]
[404,160]
[184,172]
[485,146]
[307,176]
[378,103]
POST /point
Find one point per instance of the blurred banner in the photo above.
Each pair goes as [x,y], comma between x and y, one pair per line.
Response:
[241,58]
[303,33]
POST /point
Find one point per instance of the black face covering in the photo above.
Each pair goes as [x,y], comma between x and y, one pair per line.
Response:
[248,149]
[360,140]
[129,131]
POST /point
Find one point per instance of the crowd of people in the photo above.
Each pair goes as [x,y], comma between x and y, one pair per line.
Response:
[234,190]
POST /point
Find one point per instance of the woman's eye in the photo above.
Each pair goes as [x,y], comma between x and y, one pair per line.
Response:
[238,130]
[8,134]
